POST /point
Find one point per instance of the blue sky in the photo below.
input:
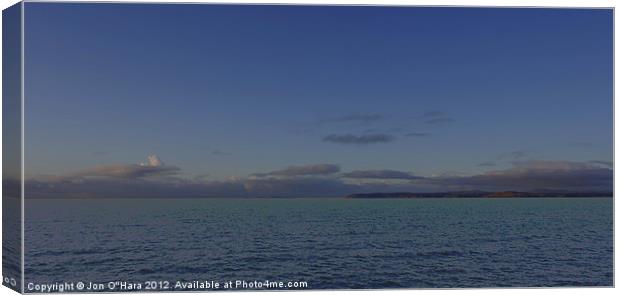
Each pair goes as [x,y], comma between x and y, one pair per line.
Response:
[227,92]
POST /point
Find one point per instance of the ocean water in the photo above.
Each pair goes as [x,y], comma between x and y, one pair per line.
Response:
[328,243]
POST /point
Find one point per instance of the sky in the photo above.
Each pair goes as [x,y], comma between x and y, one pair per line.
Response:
[231,100]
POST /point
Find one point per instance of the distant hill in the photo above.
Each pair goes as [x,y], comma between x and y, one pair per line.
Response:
[481,194]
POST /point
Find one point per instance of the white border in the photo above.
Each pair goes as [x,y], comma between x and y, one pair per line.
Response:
[494,3]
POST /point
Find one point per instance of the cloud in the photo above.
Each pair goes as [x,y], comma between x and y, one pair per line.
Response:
[608,164]
[439,120]
[514,155]
[298,187]
[433,114]
[418,134]
[127,171]
[509,156]
[153,161]
[156,180]
[532,175]
[359,139]
[150,179]
[318,169]
[359,118]
[154,167]
[436,117]
[316,187]
[551,165]
[132,188]
[380,174]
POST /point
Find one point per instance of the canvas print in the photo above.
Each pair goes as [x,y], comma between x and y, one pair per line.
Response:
[206,147]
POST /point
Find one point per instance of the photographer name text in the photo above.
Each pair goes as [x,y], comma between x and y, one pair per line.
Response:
[162,285]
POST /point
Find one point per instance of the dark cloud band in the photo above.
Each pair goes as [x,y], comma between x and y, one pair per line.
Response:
[380,174]
[318,169]
[358,139]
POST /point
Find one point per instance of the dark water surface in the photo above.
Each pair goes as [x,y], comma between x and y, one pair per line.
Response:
[329,243]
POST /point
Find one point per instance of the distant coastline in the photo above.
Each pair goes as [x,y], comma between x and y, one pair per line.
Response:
[480,194]
[377,195]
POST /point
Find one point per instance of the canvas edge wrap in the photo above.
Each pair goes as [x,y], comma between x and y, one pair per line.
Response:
[12,149]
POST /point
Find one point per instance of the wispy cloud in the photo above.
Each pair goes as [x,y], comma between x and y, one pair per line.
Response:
[433,114]
[380,174]
[608,164]
[418,134]
[436,117]
[356,118]
[359,139]
[318,169]
[439,120]
[516,155]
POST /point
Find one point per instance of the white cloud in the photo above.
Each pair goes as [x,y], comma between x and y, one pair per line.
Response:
[153,161]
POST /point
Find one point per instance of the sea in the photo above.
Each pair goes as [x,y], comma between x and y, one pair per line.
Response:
[320,242]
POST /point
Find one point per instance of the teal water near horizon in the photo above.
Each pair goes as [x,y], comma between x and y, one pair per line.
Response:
[328,243]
